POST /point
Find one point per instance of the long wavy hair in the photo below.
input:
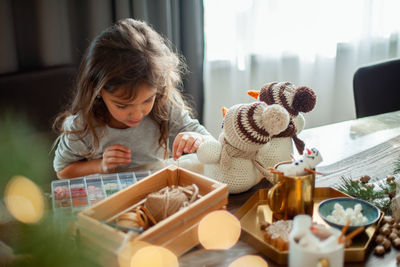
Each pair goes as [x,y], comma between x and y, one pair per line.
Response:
[124,55]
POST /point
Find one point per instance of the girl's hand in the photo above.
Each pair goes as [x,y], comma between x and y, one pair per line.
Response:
[114,156]
[187,142]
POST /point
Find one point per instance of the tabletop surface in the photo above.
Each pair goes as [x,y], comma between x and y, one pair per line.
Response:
[354,147]
[343,139]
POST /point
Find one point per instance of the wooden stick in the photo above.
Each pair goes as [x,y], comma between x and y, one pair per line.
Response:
[352,234]
[291,155]
[313,171]
[344,230]
[125,228]
[272,170]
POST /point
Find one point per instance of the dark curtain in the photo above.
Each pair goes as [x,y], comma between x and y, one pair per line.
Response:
[181,21]
[39,36]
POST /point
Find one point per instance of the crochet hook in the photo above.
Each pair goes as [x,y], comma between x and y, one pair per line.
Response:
[125,228]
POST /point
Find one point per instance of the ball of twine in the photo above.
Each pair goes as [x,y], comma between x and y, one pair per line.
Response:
[169,200]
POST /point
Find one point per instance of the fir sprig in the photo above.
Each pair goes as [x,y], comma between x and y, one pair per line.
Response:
[379,194]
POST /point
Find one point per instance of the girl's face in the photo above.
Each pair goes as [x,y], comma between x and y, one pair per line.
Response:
[129,113]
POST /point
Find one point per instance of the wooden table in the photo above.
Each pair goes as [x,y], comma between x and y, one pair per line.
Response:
[339,143]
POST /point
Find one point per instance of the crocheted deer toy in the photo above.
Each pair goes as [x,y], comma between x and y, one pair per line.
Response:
[233,158]
[294,100]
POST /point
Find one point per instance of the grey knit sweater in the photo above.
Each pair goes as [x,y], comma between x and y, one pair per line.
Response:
[141,139]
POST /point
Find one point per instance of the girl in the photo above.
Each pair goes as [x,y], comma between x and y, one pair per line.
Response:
[126,110]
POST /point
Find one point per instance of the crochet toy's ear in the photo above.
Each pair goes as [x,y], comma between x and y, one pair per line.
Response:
[304,99]
[224,110]
[275,119]
[253,93]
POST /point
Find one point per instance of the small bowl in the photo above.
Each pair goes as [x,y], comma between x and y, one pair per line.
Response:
[326,207]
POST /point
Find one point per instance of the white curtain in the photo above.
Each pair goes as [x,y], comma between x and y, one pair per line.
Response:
[315,43]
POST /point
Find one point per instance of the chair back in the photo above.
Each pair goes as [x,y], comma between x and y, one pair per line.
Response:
[377,88]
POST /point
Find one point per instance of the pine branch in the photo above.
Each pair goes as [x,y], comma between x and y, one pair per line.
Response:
[379,194]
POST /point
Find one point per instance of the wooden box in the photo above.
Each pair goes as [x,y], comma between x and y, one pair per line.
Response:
[177,232]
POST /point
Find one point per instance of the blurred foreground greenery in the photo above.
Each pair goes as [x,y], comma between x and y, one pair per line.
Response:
[23,151]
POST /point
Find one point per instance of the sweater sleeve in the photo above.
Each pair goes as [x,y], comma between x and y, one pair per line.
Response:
[181,121]
[69,148]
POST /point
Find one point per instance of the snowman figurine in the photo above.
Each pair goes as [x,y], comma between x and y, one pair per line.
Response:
[308,161]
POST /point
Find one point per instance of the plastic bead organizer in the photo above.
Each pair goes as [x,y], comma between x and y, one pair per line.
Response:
[78,193]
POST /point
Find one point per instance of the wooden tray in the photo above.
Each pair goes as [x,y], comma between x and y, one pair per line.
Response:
[253,235]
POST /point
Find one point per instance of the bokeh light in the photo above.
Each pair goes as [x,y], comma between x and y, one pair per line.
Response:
[249,260]
[24,200]
[130,248]
[219,230]
[154,256]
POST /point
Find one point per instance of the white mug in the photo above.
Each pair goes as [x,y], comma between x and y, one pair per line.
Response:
[300,256]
